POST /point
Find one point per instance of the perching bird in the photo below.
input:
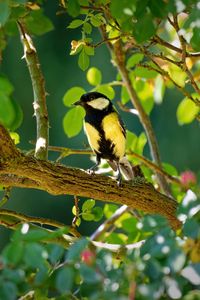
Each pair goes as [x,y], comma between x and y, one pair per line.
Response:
[106,133]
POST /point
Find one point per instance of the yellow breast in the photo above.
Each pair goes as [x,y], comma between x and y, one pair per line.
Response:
[92,135]
[113,132]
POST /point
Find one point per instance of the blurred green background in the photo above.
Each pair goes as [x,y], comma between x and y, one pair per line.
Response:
[179,145]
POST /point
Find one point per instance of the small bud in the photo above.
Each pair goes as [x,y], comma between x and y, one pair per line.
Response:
[88,257]
[188,178]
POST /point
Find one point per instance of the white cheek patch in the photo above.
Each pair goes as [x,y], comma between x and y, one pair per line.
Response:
[99,103]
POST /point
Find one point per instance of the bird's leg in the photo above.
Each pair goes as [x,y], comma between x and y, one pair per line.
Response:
[95,167]
[119,176]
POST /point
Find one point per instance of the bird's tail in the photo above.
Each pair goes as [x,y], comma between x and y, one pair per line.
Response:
[126,168]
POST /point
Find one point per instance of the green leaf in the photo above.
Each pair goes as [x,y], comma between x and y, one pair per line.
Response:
[159,89]
[65,279]
[4,11]
[75,23]
[125,98]
[109,210]
[95,21]
[83,60]
[73,121]
[73,8]
[75,250]
[122,9]
[14,252]
[144,73]
[158,8]
[35,255]
[131,140]
[97,213]
[72,95]
[144,90]
[134,59]
[141,142]
[94,76]
[186,111]
[8,291]
[88,205]
[170,169]
[89,275]
[36,235]
[89,50]
[55,253]
[10,112]
[129,224]
[177,75]
[37,23]
[87,28]
[5,86]
[144,28]
[107,90]
[14,275]
[191,229]
[195,40]
[87,216]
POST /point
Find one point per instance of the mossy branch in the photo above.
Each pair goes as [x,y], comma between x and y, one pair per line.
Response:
[19,170]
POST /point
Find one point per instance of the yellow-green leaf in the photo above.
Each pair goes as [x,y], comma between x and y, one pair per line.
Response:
[134,59]
[83,60]
[186,111]
[73,120]
[106,90]
[73,95]
[94,76]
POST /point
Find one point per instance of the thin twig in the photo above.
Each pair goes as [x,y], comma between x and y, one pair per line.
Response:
[109,222]
[106,40]
[162,42]
[37,220]
[39,104]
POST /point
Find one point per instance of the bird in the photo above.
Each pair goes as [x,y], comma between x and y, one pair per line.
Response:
[106,133]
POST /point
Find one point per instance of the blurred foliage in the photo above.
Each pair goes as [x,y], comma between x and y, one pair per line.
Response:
[167,265]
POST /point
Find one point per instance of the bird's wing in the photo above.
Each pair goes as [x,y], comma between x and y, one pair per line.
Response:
[113,165]
[122,126]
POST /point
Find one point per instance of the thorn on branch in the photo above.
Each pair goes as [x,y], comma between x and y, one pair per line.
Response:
[6,196]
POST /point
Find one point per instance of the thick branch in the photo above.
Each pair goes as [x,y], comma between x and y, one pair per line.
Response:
[57,179]
[39,104]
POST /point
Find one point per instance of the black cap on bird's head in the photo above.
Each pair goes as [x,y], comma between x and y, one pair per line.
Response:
[95,100]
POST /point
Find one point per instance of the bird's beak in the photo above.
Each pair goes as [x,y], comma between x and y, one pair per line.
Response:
[77,103]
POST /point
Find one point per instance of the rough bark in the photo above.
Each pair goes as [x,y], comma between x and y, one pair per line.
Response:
[19,170]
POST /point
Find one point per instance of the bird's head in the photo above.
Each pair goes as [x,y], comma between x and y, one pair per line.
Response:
[94,100]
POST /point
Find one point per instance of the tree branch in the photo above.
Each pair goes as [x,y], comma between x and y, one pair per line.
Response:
[24,171]
[119,58]
[39,104]
[68,151]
